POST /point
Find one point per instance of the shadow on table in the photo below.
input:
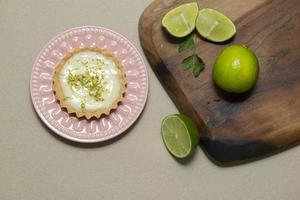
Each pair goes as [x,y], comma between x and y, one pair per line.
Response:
[187,160]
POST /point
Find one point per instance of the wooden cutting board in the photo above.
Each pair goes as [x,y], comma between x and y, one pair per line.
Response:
[235,129]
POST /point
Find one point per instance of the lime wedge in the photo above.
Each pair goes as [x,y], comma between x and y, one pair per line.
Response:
[180,135]
[214,26]
[181,20]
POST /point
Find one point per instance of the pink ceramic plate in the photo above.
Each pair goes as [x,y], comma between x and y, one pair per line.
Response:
[82,130]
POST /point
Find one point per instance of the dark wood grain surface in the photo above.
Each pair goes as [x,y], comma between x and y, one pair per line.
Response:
[235,128]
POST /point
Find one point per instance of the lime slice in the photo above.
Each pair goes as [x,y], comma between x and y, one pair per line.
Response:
[181,20]
[180,135]
[214,26]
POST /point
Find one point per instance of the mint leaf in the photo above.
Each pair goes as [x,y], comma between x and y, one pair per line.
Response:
[187,44]
[194,62]
[198,66]
[188,62]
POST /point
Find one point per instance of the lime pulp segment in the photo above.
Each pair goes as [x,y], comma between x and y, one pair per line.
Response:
[181,20]
[214,26]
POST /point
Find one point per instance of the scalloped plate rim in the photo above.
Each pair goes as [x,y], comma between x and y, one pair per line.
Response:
[80,140]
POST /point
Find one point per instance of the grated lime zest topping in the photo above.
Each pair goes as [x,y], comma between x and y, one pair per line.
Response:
[91,80]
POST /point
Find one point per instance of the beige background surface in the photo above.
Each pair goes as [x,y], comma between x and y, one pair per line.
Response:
[37,165]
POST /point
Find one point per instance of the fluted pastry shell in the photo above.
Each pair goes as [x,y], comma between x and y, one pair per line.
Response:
[113,74]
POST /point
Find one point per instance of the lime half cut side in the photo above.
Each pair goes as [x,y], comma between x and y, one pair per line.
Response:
[180,135]
[181,20]
[214,26]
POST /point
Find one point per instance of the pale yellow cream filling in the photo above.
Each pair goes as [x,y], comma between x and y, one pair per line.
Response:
[90,81]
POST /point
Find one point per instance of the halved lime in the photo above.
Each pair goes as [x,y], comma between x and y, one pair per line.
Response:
[214,26]
[181,20]
[180,135]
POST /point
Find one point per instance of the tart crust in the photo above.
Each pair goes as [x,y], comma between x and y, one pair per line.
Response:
[59,95]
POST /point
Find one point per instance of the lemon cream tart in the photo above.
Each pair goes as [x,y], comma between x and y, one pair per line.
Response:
[89,82]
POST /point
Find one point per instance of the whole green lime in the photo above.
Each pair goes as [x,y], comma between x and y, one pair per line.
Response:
[236,69]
